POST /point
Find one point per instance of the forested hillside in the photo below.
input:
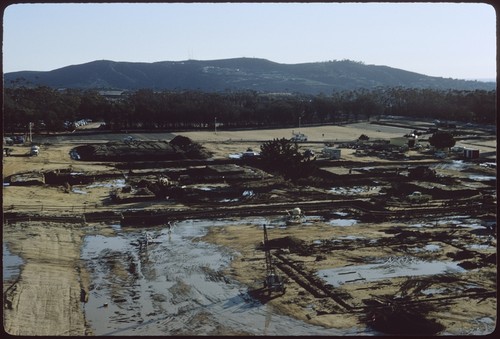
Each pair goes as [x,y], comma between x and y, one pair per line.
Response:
[240,74]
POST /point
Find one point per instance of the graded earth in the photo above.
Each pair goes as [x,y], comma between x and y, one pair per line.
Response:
[359,249]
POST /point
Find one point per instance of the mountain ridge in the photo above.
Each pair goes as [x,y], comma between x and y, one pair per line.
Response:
[238,74]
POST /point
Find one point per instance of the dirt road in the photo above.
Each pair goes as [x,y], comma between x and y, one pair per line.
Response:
[46,300]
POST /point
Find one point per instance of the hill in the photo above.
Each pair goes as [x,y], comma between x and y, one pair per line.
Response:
[238,74]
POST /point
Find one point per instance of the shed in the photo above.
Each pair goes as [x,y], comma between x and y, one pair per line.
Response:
[331,153]
[409,141]
[470,153]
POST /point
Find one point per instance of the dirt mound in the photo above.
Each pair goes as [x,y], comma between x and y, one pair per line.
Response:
[139,150]
[293,244]
[400,322]
[189,148]
[181,141]
[28,178]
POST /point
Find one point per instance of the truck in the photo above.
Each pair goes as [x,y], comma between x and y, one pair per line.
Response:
[35,150]
[298,137]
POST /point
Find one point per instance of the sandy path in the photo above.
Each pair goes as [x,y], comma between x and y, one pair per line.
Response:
[46,300]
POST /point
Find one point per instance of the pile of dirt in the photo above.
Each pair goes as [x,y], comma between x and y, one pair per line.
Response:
[290,243]
[25,179]
[398,319]
[141,150]
[189,148]
[181,141]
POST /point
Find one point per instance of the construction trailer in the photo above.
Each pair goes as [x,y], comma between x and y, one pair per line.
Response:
[470,153]
[407,141]
[331,153]
[298,137]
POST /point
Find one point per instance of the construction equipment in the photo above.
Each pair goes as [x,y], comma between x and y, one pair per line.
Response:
[35,150]
[298,137]
[296,216]
[273,282]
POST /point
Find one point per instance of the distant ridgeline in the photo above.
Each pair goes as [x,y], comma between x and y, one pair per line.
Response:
[240,74]
[234,93]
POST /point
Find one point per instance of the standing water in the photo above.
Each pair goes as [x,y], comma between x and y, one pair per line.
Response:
[174,285]
[10,264]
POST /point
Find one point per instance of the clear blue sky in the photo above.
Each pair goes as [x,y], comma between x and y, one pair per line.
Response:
[452,40]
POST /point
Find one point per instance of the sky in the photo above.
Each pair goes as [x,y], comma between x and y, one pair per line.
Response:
[450,40]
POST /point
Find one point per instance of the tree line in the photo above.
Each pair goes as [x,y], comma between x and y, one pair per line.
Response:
[48,109]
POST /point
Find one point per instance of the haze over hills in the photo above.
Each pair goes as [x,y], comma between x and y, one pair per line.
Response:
[238,74]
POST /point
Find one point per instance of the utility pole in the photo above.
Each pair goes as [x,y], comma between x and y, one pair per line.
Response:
[30,134]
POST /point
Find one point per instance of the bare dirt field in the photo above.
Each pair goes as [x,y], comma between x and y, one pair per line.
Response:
[360,251]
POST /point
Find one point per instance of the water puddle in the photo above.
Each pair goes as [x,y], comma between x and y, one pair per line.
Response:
[355,190]
[426,248]
[455,165]
[341,214]
[477,177]
[244,195]
[175,285]
[248,193]
[391,268]
[484,325]
[117,183]
[11,264]
[488,164]
[457,221]
[342,222]
[478,247]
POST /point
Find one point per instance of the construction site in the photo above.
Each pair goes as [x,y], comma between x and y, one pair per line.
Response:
[189,234]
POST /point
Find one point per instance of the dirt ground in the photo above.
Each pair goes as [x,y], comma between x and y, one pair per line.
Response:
[47,298]
[461,315]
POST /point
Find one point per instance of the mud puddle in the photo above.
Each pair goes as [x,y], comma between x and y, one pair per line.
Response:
[389,268]
[465,221]
[11,264]
[84,189]
[356,190]
[174,285]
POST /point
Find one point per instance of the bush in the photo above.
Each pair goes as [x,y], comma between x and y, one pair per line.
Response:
[283,156]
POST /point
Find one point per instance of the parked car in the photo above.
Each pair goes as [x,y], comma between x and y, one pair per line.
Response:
[8,141]
[35,150]
[18,139]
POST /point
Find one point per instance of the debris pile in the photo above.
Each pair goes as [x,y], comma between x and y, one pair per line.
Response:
[399,316]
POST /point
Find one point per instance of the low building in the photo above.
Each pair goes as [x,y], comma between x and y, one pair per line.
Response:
[457,149]
[249,153]
[331,153]
[298,137]
[113,95]
[470,153]
[409,141]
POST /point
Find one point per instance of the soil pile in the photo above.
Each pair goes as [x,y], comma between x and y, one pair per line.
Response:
[141,150]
